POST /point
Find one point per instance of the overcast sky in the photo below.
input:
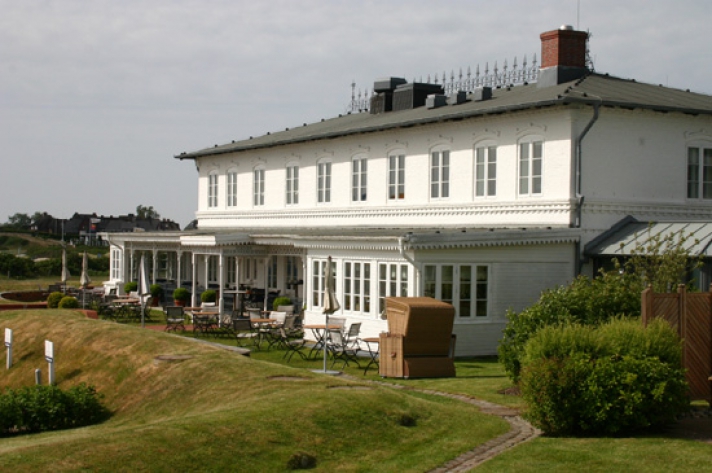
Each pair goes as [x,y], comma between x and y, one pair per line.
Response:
[98,96]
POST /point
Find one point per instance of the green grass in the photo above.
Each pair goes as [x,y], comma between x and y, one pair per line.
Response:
[219,411]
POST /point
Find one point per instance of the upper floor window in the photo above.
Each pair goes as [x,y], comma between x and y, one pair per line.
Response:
[258,190]
[323,181]
[292,184]
[213,189]
[396,176]
[440,174]
[359,170]
[699,173]
[232,188]
[530,167]
[485,171]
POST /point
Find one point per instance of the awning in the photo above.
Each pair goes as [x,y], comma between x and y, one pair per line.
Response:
[630,233]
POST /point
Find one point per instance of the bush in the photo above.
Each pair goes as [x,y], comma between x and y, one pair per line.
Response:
[130,286]
[585,301]
[181,294]
[156,291]
[606,380]
[282,300]
[68,302]
[53,300]
[42,408]
[209,296]
[17,267]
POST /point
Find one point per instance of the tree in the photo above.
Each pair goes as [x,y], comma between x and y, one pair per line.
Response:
[147,212]
[662,260]
[20,221]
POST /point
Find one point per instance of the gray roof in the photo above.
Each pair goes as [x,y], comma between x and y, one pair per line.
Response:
[629,234]
[593,89]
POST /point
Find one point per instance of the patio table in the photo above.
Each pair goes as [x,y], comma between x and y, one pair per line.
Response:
[205,321]
[319,331]
[373,346]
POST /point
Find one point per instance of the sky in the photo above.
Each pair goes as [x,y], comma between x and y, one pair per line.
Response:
[98,96]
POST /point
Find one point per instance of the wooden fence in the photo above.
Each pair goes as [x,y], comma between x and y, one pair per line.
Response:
[691,315]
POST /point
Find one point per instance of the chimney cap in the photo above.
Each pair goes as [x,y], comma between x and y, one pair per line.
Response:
[566,27]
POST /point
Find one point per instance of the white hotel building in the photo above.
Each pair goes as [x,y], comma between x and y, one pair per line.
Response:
[481,198]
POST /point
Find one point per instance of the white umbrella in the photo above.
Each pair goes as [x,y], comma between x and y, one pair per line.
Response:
[84,280]
[143,286]
[330,306]
[65,271]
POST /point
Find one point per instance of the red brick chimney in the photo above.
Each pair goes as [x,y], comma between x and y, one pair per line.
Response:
[563,56]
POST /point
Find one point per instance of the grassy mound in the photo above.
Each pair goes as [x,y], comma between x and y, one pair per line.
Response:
[182,405]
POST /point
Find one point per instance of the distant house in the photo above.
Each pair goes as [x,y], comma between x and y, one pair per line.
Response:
[482,193]
[86,228]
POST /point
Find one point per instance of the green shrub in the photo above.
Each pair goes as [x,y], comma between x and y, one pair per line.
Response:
[281,300]
[130,286]
[156,291]
[181,294]
[209,295]
[68,302]
[41,408]
[585,301]
[615,378]
[53,299]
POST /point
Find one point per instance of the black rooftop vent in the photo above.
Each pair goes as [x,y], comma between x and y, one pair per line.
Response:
[409,96]
[382,101]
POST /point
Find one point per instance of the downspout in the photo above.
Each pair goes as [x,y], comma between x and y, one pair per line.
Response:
[404,255]
[577,189]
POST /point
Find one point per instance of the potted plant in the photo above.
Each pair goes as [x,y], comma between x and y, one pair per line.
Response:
[130,286]
[181,296]
[281,301]
[209,296]
[156,294]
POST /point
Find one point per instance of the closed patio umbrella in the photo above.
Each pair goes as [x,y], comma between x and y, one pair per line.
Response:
[143,286]
[330,306]
[84,280]
[65,271]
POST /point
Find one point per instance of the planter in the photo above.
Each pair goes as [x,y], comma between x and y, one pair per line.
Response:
[179,303]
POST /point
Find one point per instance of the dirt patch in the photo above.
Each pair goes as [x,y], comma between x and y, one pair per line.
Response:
[510,391]
[287,378]
[353,388]
[171,358]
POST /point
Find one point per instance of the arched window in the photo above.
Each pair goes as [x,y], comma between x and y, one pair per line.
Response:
[213,189]
[258,188]
[359,178]
[323,181]
[531,165]
[232,188]
[292,184]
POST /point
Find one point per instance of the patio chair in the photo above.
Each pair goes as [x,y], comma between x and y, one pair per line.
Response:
[243,330]
[293,345]
[175,318]
[344,346]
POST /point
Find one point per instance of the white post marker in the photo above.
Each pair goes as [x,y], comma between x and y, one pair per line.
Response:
[49,356]
[8,344]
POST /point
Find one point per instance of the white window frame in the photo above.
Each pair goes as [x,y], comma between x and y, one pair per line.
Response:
[292,184]
[213,189]
[116,258]
[357,287]
[699,173]
[440,174]
[447,282]
[359,178]
[531,166]
[323,181]
[396,175]
[486,170]
[393,281]
[258,187]
[231,178]
[318,281]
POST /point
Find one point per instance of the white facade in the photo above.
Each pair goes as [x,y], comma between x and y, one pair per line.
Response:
[482,204]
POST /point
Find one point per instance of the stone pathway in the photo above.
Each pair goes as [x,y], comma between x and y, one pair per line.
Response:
[520,430]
